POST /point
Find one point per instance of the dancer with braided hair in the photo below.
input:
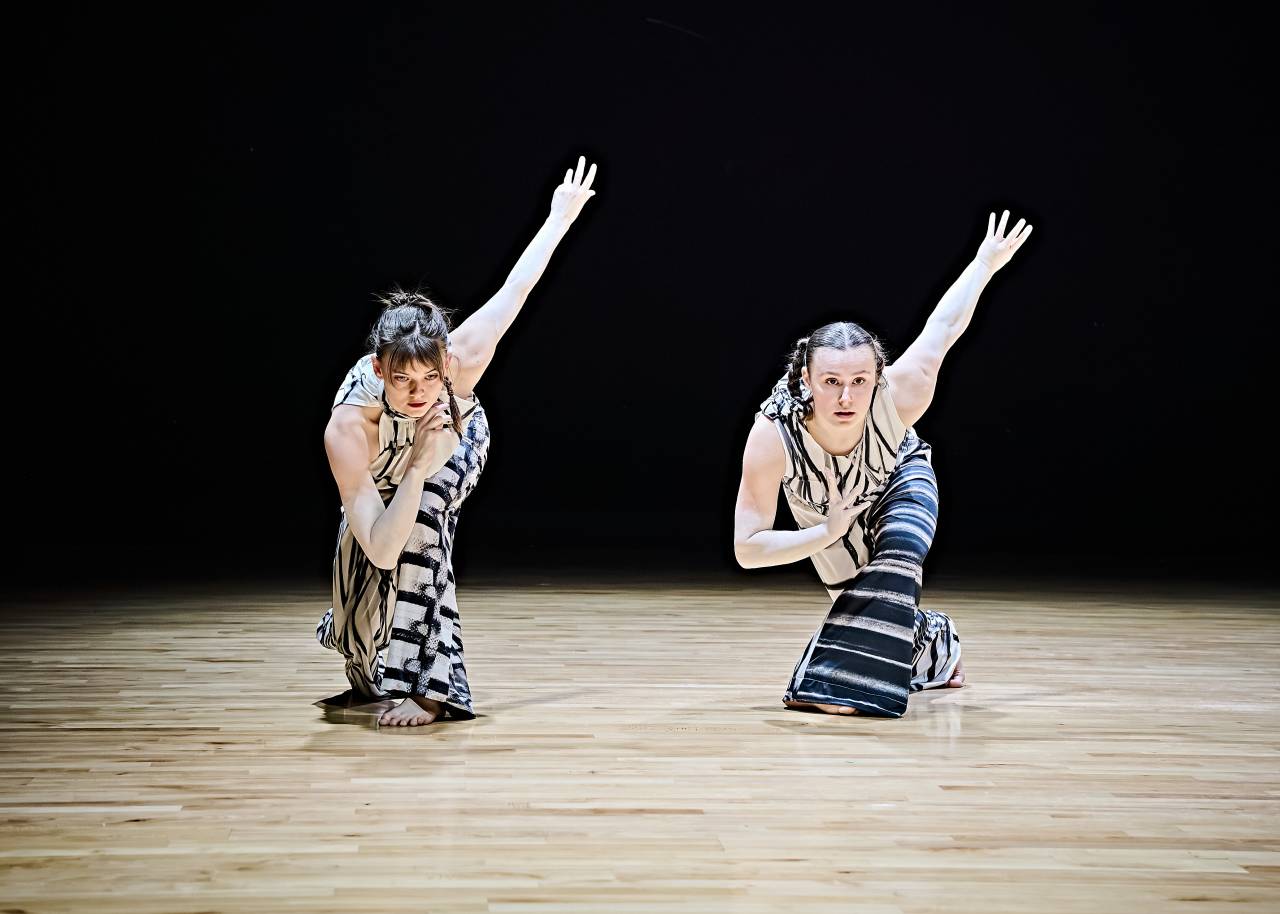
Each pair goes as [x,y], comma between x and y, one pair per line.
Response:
[407,440]
[836,434]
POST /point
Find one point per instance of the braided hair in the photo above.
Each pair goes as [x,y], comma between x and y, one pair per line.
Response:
[840,335]
[412,329]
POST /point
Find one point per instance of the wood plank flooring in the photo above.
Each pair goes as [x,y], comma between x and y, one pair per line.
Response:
[1114,751]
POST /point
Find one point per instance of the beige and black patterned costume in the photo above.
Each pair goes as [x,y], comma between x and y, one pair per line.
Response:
[399,630]
[876,644]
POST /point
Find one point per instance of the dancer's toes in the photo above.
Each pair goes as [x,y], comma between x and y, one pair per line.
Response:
[825,709]
[412,712]
[957,677]
[836,709]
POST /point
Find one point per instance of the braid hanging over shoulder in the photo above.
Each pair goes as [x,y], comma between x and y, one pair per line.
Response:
[799,359]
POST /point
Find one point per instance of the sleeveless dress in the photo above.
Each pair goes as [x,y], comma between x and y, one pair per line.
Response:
[876,644]
[400,630]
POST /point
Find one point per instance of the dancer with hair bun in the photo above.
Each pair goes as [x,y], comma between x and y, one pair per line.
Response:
[407,440]
[836,434]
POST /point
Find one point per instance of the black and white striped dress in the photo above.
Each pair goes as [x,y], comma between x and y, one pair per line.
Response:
[400,630]
[876,644]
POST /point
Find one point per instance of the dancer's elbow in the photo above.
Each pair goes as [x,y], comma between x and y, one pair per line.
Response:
[747,555]
[382,559]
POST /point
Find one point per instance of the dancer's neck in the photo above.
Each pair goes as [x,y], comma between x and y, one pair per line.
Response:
[838,441]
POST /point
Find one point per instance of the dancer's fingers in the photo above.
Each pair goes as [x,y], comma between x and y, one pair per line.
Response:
[591,176]
[833,486]
[1004,220]
[582,164]
[568,176]
[437,416]
[991,224]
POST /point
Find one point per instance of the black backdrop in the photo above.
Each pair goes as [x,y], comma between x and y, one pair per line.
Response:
[207,202]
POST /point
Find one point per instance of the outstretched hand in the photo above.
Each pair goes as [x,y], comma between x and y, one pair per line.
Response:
[997,249]
[574,193]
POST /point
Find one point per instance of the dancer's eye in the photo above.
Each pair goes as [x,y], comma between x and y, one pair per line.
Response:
[859,380]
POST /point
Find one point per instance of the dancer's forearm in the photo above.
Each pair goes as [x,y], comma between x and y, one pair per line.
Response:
[954,310]
[781,547]
[479,334]
[528,269]
[390,532]
[526,273]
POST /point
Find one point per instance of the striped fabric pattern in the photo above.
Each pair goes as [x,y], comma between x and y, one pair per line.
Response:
[863,473]
[400,630]
[876,644]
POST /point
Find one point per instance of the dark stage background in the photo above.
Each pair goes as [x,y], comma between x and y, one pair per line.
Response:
[207,202]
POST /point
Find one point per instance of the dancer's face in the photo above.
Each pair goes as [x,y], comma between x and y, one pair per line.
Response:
[411,389]
[842,381]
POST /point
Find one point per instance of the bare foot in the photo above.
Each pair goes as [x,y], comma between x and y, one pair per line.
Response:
[414,711]
[825,709]
[957,678]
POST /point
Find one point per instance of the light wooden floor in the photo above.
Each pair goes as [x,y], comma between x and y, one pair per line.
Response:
[1114,752]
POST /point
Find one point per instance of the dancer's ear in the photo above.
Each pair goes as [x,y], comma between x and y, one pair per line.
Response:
[377,367]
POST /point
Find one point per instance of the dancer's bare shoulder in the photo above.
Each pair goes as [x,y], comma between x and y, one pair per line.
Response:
[351,438]
[763,465]
[763,459]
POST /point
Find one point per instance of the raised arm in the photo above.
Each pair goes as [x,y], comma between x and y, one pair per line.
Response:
[476,339]
[913,377]
[755,542]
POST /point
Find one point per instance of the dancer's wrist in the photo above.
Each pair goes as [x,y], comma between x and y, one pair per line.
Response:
[560,222]
[830,537]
